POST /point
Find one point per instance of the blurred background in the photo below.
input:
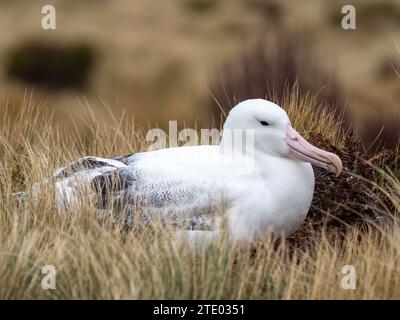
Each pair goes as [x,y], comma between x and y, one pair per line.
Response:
[164,60]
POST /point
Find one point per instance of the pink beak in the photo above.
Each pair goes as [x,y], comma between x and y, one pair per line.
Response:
[301,149]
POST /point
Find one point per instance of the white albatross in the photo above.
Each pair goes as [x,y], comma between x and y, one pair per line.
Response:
[273,194]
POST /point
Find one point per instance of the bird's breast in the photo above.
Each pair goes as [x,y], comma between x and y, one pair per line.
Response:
[278,201]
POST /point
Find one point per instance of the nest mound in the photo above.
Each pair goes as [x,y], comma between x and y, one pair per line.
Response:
[352,198]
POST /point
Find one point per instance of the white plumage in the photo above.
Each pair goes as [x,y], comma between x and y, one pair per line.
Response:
[265,184]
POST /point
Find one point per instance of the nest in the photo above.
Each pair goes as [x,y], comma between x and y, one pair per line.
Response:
[352,199]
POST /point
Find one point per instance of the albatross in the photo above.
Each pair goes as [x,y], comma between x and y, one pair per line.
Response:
[260,174]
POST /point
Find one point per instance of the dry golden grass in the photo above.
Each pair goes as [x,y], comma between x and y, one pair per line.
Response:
[95,259]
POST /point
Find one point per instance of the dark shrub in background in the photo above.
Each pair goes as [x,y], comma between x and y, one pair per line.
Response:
[267,71]
[53,66]
[200,5]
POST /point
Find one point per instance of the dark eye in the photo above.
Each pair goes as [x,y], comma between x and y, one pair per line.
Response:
[264,123]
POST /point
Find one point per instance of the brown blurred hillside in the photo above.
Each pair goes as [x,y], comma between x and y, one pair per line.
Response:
[160,60]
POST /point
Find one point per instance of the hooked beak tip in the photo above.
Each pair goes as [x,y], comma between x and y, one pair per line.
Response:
[337,164]
[301,149]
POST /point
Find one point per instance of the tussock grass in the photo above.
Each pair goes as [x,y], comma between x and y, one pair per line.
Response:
[97,259]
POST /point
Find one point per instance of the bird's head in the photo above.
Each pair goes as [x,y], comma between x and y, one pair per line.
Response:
[274,134]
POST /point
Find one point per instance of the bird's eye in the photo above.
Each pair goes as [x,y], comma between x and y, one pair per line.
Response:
[264,123]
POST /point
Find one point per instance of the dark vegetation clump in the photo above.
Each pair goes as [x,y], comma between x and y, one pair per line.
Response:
[199,6]
[51,66]
[267,72]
